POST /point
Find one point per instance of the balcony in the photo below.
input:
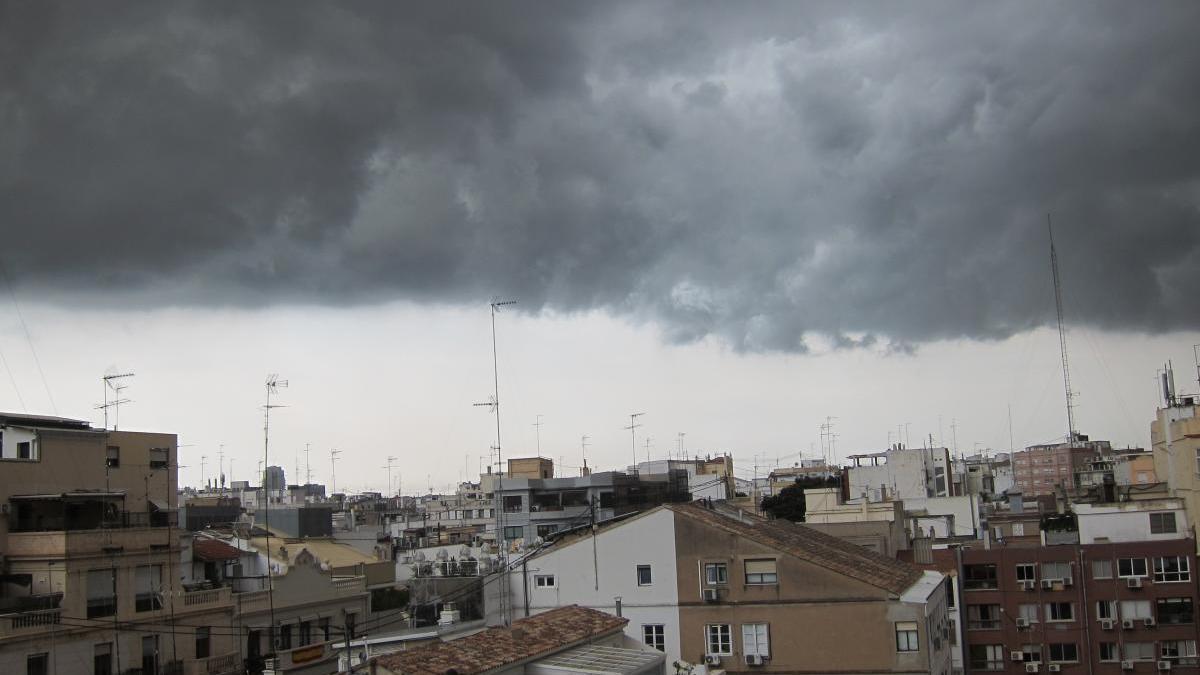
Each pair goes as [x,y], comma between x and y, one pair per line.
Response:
[203,599]
[69,543]
[29,622]
[443,568]
[225,664]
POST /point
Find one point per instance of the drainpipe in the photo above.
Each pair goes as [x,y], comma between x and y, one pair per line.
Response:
[1087,625]
[962,610]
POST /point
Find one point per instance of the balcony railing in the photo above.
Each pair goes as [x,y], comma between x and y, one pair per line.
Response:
[32,621]
[461,568]
[225,664]
[205,598]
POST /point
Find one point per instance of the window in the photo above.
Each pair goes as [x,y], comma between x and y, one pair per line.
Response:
[1182,652]
[952,628]
[906,637]
[1108,651]
[1101,569]
[644,575]
[1028,612]
[305,633]
[716,574]
[351,622]
[756,639]
[1139,651]
[1135,609]
[37,664]
[112,457]
[654,636]
[543,581]
[149,653]
[976,577]
[102,663]
[285,637]
[25,450]
[202,643]
[1106,609]
[101,593]
[983,617]
[1131,567]
[1174,610]
[1018,529]
[512,504]
[719,639]
[513,532]
[761,572]
[1060,611]
[986,657]
[1063,651]
[148,585]
[1171,568]
[1030,653]
[159,458]
[1026,572]
[950,594]
[323,626]
[1056,570]
[544,531]
[1162,523]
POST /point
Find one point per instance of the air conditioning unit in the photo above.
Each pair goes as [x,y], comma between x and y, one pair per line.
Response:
[1067,582]
[1054,668]
[1134,582]
[1032,667]
[754,660]
[1028,584]
[1149,622]
[1047,583]
[1127,624]
[712,595]
[1127,665]
[1016,656]
[712,660]
[1022,622]
[1164,665]
[1107,624]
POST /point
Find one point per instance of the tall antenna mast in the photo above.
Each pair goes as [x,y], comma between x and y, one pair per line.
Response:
[1062,336]
[273,384]
[537,426]
[583,446]
[307,464]
[633,425]
[494,406]
[679,439]
[390,459]
[333,455]
[112,382]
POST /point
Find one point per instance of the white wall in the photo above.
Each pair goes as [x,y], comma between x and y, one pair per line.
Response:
[619,549]
[964,509]
[1129,521]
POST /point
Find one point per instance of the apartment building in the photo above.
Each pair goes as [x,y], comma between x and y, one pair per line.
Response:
[1040,469]
[741,594]
[899,473]
[90,550]
[1175,440]
[1119,597]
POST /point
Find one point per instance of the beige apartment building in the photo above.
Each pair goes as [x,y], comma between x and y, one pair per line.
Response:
[89,580]
[1175,439]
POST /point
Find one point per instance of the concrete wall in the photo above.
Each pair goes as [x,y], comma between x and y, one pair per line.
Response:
[964,510]
[1129,521]
[592,572]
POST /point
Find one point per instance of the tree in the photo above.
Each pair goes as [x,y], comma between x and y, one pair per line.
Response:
[789,503]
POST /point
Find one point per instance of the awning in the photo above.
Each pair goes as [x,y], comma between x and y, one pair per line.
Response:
[158,504]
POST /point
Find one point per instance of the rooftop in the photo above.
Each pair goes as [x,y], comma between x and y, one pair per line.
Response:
[813,546]
[44,421]
[542,635]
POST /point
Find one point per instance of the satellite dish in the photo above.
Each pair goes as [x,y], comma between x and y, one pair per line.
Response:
[442,555]
[464,552]
[420,556]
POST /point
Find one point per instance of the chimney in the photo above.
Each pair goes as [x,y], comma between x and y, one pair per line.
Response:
[617,605]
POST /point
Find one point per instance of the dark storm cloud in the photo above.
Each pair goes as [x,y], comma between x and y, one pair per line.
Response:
[750,173]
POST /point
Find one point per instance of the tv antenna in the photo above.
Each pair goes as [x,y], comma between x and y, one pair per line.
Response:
[537,425]
[112,382]
[1062,336]
[203,462]
[648,439]
[583,446]
[307,464]
[390,459]
[273,384]
[333,456]
[633,425]
[679,441]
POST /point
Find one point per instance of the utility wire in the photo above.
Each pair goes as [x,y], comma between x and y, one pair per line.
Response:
[28,337]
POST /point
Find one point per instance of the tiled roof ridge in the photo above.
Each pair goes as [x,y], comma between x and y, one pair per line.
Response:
[815,547]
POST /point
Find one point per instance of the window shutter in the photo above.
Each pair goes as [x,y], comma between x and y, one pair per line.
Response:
[760,567]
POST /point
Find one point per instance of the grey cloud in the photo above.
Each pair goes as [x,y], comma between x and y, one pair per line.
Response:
[856,171]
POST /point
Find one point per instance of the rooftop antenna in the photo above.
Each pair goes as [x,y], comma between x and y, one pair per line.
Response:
[648,439]
[679,440]
[221,463]
[494,407]
[388,466]
[273,385]
[633,425]
[307,464]
[1196,359]
[583,446]
[1062,336]
[203,461]
[827,437]
[333,455]
[537,425]
[112,381]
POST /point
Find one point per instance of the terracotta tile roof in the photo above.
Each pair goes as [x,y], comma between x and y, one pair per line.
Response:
[816,547]
[540,635]
[212,550]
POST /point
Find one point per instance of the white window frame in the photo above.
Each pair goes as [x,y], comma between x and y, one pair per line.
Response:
[908,637]
[720,635]
[1182,575]
[1102,567]
[716,574]
[655,635]
[1052,609]
[649,574]
[1125,655]
[1133,573]
[1050,652]
[1136,609]
[1114,653]
[1106,609]
[545,581]
[756,639]
[1023,611]
[1027,571]
[762,578]
[1162,515]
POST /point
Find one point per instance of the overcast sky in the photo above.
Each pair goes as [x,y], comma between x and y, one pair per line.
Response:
[738,220]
